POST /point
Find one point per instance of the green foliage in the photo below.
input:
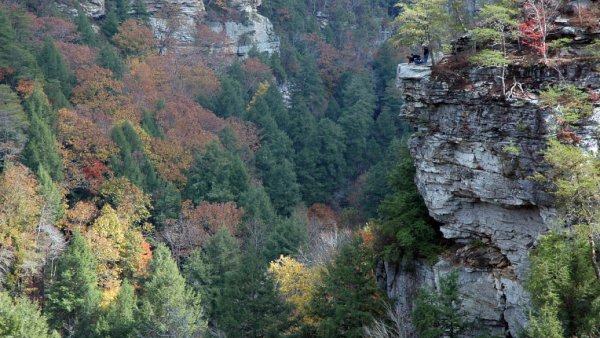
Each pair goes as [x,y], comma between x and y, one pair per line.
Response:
[569,101]
[249,305]
[110,26]
[423,21]
[55,204]
[404,220]
[490,58]
[216,176]
[42,148]
[120,316]
[167,306]
[88,36]
[73,298]
[132,162]
[564,288]
[109,58]
[257,205]
[230,101]
[13,125]
[22,318]
[556,45]
[14,57]
[594,48]
[55,68]
[356,120]
[438,313]
[140,11]
[377,186]
[205,270]
[348,297]
[562,278]
[150,125]
[285,236]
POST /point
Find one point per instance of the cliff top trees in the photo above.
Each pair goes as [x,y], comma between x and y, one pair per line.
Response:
[497,25]
[423,22]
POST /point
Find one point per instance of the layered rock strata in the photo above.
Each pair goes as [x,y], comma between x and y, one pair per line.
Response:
[474,153]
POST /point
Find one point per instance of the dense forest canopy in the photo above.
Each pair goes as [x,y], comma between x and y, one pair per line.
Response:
[150,187]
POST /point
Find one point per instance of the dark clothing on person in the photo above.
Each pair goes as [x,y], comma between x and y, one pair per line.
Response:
[425,54]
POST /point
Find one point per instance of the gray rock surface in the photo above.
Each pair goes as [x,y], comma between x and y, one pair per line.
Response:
[255,30]
[474,154]
[184,21]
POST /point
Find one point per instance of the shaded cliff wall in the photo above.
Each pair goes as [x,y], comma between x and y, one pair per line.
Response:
[475,187]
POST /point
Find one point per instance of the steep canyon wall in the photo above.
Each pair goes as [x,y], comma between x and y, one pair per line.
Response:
[474,153]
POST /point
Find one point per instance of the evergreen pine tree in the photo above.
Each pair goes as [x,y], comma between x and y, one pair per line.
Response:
[22,318]
[88,36]
[54,203]
[110,25]
[42,149]
[438,313]
[73,298]
[167,306]
[404,217]
[121,313]
[285,237]
[109,59]
[249,305]
[122,8]
[55,68]
[231,101]
[13,125]
[13,55]
[205,271]
[140,11]
[216,176]
[348,297]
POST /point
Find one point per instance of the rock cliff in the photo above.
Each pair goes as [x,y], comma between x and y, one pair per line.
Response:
[254,30]
[180,19]
[474,152]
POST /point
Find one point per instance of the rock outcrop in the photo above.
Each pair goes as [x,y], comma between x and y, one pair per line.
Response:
[242,26]
[254,30]
[474,153]
[182,16]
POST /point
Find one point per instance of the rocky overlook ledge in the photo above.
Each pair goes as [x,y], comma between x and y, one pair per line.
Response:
[474,153]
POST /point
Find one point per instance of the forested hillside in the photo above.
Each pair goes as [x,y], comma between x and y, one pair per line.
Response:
[152,187]
[238,168]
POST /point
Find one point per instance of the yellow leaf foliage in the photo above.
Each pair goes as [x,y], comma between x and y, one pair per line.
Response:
[296,283]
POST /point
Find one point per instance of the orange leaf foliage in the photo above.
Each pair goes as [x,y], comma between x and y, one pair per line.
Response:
[134,38]
[97,91]
[77,56]
[323,215]
[25,88]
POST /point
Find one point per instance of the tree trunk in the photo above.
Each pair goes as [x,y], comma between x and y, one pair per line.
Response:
[592,244]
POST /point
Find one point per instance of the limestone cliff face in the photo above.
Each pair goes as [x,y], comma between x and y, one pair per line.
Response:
[254,30]
[182,16]
[474,152]
[179,19]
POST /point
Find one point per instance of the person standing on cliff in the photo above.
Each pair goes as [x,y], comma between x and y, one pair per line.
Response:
[425,53]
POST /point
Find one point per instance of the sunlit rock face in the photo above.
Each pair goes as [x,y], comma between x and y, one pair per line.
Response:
[253,30]
[474,153]
[178,18]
